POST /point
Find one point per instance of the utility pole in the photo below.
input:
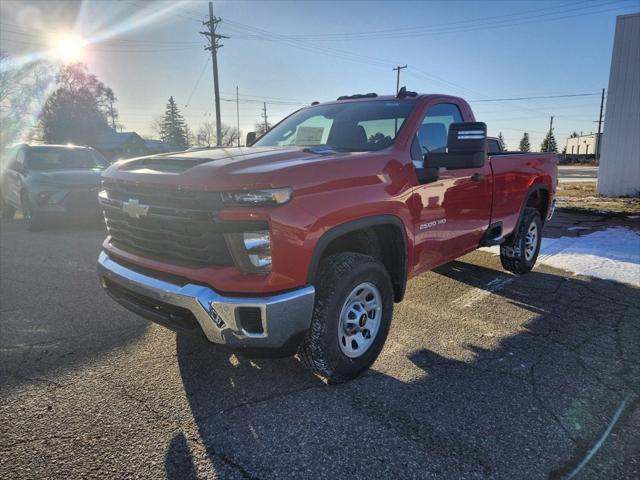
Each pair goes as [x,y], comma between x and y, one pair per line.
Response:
[398,68]
[112,114]
[238,113]
[550,133]
[213,46]
[599,128]
[264,114]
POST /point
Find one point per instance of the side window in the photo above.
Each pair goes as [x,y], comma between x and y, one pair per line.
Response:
[10,161]
[416,153]
[19,162]
[492,146]
[434,129]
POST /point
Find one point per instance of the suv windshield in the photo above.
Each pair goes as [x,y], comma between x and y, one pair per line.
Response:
[348,126]
[61,158]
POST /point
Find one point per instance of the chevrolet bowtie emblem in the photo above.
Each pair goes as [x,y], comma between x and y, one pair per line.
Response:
[133,208]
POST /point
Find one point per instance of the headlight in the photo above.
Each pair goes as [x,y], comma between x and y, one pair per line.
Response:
[251,250]
[44,197]
[274,196]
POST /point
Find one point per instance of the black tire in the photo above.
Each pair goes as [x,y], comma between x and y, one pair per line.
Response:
[338,276]
[513,253]
[6,211]
[33,220]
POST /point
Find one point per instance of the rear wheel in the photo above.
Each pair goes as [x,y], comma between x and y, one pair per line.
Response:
[520,254]
[351,318]
[32,219]
[6,210]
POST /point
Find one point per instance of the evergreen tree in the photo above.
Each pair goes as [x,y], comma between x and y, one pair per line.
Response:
[549,143]
[503,145]
[173,129]
[525,145]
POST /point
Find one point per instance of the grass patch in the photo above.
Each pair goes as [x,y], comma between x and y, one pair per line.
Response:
[584,196]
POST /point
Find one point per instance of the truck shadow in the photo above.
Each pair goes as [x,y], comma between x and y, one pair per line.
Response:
[528,403]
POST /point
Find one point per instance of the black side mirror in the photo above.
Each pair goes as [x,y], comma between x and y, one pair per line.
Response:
[466,147]
[251,139]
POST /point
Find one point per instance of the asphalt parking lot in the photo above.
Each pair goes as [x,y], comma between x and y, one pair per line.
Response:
[484,375]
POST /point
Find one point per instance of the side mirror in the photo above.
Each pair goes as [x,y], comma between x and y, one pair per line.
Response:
[251,139]
[466,147]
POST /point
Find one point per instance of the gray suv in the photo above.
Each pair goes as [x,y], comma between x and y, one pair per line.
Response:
[50,182]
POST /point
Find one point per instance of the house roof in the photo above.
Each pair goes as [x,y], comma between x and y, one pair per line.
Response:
[113,139]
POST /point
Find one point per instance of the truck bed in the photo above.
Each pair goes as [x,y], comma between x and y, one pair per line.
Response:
[515,175]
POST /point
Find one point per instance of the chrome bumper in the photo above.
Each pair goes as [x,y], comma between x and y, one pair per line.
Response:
[283,317]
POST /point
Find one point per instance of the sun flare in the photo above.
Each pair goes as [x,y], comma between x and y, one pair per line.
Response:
[69,48]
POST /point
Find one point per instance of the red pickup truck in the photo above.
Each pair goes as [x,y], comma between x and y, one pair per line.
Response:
[303,241]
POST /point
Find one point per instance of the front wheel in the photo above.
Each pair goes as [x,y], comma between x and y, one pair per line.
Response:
[33,220]
[520,254]
[351,318]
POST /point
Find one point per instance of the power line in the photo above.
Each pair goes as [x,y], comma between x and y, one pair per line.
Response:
[197,83]
[536,98]
[512,19]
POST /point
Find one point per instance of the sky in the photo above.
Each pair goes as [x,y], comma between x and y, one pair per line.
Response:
[290,53]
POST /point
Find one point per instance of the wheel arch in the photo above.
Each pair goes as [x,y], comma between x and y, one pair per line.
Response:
[537,196]
[388,244]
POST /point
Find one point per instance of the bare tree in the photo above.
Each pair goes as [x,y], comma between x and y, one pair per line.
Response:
[156,125]
[261,128]
[206,136]
[23,93]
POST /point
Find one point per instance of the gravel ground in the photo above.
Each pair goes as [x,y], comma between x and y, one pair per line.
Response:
[484,375]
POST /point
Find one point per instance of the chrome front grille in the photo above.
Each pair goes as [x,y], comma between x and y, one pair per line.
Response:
[169,225]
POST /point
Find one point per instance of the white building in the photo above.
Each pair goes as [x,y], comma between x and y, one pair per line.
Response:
[585,145]
[619,173]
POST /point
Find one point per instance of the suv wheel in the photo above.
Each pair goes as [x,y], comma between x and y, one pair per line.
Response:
[520,254]
[6,210]
[32,219]
[351,318]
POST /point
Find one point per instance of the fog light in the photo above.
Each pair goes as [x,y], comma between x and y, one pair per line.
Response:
[260,261]
[251,250]
[257,240]
[44,198]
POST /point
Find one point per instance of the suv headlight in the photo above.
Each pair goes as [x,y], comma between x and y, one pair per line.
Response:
[272,196]
[251,250]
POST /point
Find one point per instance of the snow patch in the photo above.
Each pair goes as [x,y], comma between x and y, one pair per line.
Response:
[612,254]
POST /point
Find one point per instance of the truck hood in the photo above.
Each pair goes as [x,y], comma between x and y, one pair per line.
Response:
[223,168]
[68,178]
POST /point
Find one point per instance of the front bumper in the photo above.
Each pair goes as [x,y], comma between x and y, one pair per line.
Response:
[266,323]
[73,203]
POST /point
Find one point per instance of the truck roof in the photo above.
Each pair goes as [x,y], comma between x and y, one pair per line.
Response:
[368,97]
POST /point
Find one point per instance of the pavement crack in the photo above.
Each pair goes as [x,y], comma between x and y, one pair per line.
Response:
[226,459]
[534,388]
[267,398]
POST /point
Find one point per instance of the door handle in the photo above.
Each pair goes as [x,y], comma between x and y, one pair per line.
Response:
[477,177]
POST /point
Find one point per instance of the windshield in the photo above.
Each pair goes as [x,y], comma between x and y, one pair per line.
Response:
[349,126]
[61,158]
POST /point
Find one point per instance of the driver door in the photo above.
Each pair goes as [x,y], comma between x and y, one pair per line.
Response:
[454,211]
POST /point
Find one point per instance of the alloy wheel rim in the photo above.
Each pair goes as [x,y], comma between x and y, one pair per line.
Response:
[360,320]
[531,242]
